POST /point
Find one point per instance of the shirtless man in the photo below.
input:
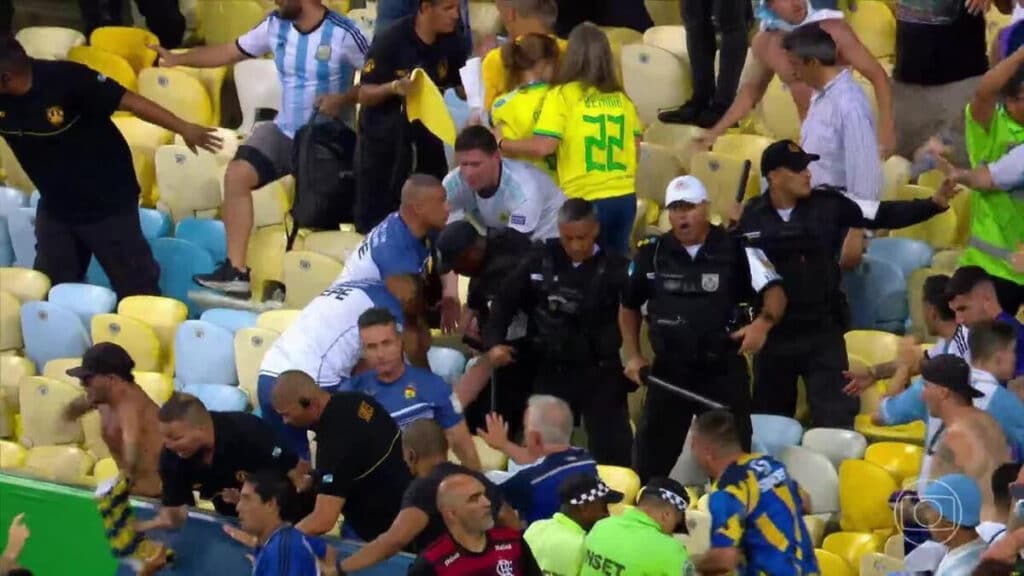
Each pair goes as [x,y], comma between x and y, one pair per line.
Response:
[125,411]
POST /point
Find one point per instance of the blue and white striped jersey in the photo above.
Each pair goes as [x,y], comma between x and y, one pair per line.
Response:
[311,64]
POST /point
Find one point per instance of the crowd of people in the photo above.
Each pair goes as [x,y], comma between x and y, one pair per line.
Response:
[564,316]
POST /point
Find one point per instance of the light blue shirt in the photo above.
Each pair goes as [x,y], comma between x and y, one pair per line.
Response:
[1008,172]
[962,560]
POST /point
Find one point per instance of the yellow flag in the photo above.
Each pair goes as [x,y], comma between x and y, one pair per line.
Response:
[425,103]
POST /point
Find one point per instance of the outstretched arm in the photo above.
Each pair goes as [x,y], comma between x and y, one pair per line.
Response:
[195,136]
[986,97]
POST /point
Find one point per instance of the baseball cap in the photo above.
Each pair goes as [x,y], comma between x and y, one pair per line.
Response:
[956,497]
[103,359]
[452,241]
[687,189]
[950,372]
[581,489]
[670,491]
[785,154]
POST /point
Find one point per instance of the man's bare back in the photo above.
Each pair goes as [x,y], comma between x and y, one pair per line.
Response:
[972,444]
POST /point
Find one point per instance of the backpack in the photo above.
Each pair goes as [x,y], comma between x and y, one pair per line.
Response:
[325,185]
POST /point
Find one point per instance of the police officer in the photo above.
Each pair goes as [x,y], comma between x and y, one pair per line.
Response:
[699,283]
[571,289]
[801,230]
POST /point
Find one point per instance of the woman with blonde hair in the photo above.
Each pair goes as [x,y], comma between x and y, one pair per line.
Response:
[592,127]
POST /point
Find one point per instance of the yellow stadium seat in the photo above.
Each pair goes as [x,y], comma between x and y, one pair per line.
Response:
[57,369]
[654,79]
[277,320]
[189,183]
[931,179]
[894,546]
[142,135]
[224,21]
[658,166]
[664,12]
[212,80]
[873,346]
[266,256]
[306,275]
[26,284]
[912,432]
[179,92]
[875,26]
[864,490]
[163,314]
[157,385]
[250,346]
[698,527]
[110,65]
[876,564]
[11,172]
[669,38]
[748,147]
[677,138]
[961,206]
[132,44]
[336,244]
[915,298]
[832,564]
[13,369]
[105,469]
[490,459]
[622,479]
[12,455]
[49,42]
[229,145]
[92,435]
[942,230]
[270,204]
[896,173]
[10,322]
[646,212]
[946,261]
[850,546]
[816,528]
[778,112]
[135,336]
[702,501]
[66,464]
[722,176]
[900,459]
[145,175]
[42,404]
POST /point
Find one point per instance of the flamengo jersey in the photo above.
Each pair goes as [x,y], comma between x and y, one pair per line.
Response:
[324,340]
[389,249]
[502,557]
[309,64]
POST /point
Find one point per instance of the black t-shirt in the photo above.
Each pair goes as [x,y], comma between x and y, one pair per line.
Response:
[422,494]
[359,458]
[938,42]
[506,248]
[242,444]
[61,133]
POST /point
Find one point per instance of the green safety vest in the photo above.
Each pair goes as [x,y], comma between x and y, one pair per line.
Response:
[633,545]
[997,217]
[557,545]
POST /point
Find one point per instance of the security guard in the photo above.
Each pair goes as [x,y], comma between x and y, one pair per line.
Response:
[802,233]
[571,289]
[699,283]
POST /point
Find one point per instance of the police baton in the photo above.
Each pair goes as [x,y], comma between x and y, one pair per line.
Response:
[741,186]
[645,375]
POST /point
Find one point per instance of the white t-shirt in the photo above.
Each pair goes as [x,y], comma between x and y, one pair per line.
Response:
[527,201]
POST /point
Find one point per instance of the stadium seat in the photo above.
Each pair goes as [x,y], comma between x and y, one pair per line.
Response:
[51,331]
[907,254]
[250,346]
[270,204]
[658,166]
[26,284]
[899,459]
[204,353]
[223,21]
[13,369]
[894,546]
[57,369]
[132,44]
[747,147]
[43,401]
[22,227]
[277,320]
[877,294]
[162,313]
[896,173]
[105,469]
[157,385]
[915,299]
[931,179]
[155,224]
[190,184]
[49,42]
[836,444]
[212,80]
[11,199]
[671,39]
[206,233]
[145,175]
[677,138]
[816,528]
[622,479]
[11,171]
[864,490]
[946,261]
[912,432]
[10,323]
[179,261]
[229,144]
[698,527]
[873,346]
[179,92]
[6,248]
[875,26]
[12,455]
[939,231]
[106,63]
[266,256]
[664,12]
[654,79]
[64,464]
[92,435]
[306,275]
[85,300]
[878,564]
[258,86]
[219,397]
[135,336]
[772,433]
[365,19]
[832,564]
[232,320]
[815,474]
[850,546]
[447,363]
[722,176]
[778,112]
[337,244]
[142,135]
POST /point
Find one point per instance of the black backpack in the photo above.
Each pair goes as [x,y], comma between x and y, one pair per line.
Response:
[325,184]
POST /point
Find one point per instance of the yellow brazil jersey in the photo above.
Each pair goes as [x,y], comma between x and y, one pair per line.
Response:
[516,114]
[494,76]
[597,155]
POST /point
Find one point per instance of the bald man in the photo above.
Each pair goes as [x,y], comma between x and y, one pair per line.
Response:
[463,504]
[359,470]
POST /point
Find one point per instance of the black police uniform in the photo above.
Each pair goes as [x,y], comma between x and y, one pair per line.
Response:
[575,340]
[693,304]
[389,147]
[809,340]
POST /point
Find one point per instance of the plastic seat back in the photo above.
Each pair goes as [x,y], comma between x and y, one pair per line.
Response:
[232,320]
[206,233]
[778,112]
[677,139]
[64,464]
[851,546]
[21,225]
[658,166]
[622,479]
[189,183]
[671,39]
[179,92]
[258,87]
[14,369]
[877,293]
[155,224]
[900,459]
[251,344]
[277,320]
[907,254]
[875,26]
[306,275]
[85,300]
[107,63]
[337,244]
[226,20]
[836,444]
[26,284]
[873,346]
[12,455]
[43,401]
[57,369]
[105,469]
[11,199]
[219,397]
[864,490]
[180,260]
[747,147]
[49,42]
[142,135]
[815,474]
[52,331]
[132,44]
[204,354]
[135,336]
[654,79]
[722,176]
[773,433]
[157,385]
[831,564]
[10,322]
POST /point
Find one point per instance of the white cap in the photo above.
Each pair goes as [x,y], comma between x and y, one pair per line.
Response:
[685,189]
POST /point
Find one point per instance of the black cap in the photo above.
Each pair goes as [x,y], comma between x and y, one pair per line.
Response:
[965,279]
[105,358]
[785,154]
[951,372]
[581,489]
[452,241]
[668,490]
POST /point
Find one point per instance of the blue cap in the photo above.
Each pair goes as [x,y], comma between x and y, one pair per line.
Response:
[956,498]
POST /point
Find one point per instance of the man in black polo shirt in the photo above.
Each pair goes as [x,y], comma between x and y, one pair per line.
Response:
[389,146]
[359,467]
[212,452]
[55,116]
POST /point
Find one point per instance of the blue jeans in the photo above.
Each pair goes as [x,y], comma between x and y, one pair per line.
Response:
[616,216]
[294,438]
[388,11]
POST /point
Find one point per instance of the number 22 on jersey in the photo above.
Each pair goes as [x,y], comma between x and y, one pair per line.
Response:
[601,150]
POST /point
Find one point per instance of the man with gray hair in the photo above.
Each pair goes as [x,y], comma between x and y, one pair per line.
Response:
[547,453]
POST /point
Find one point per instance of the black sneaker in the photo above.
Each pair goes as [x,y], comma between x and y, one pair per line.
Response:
[685,114]
[227,279]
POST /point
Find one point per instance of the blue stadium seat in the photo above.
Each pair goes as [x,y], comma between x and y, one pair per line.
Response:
[51,331]
[773,433]
[219,397]
[11,199]
[205,233]
[448,363]
[233,320]
[21,225]
[96,275]
[204,353]
[6,246]
[179,261]
[906,253]
[33,200]
[877,293]
[155,224]
[85,300]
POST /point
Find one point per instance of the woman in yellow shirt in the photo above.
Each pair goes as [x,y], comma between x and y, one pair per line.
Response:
[592,126]
[531,62]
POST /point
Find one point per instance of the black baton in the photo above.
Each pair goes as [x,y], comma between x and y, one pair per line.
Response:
[741,190]
[645,375]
